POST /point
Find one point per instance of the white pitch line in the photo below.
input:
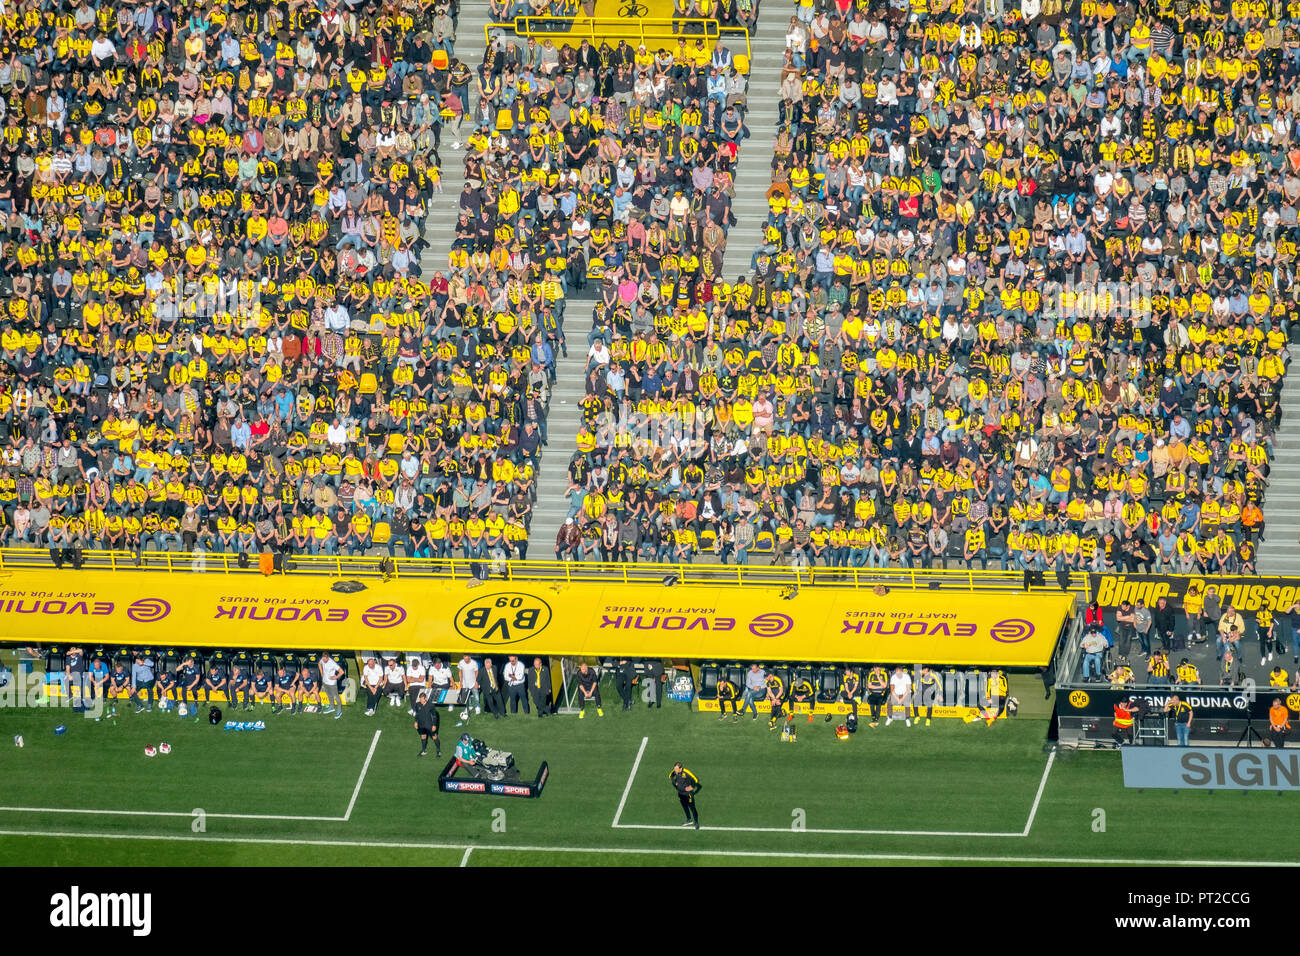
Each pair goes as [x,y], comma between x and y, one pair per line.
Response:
[657,851]
[630,777]
[464,860]
[943,833]
[1042,785]
[214,816]
[170,813]
[362,779]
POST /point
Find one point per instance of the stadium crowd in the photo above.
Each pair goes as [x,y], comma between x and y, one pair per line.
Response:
[1023,302]
[217,332]
[583,157]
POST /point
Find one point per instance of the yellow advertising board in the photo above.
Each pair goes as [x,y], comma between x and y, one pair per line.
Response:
[691,623]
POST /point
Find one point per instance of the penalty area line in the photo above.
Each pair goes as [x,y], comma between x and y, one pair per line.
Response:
[356,791]
[631,777]
[1038,797]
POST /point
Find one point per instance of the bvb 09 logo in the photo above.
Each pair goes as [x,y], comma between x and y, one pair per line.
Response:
[504,618]
[1078,699]
[1293,702]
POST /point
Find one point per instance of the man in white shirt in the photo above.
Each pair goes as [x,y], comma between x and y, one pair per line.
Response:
[416,678]
[395,682]
[330,672]
[372,679]
[469,680]
[900,696]
[516,693]
[439,680]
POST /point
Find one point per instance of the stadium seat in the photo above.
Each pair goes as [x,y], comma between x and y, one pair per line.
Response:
[382,532]
[764,542]
[708,540]
[55,661]
[804,672]
[310,663]
[265,662]
[827,683]
[289,661]
[244,661]
[709,679]
[736,674]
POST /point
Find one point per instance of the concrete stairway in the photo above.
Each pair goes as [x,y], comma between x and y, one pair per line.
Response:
[562,423]
[440,227]
[1279,553]
[754,167]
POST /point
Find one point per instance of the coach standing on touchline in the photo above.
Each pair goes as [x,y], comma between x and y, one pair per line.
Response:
[687,786]
[330,672]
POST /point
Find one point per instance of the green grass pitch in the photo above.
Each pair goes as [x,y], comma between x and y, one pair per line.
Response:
[949,793]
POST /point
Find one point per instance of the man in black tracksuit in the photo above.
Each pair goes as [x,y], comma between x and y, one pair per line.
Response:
[687,786]
[624,678]
[426,725]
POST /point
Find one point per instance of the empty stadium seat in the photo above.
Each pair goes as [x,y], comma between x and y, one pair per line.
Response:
[828,683]
[709,679]
[736,674]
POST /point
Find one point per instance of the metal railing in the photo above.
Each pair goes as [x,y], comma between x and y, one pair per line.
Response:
[636,30]
[568,572]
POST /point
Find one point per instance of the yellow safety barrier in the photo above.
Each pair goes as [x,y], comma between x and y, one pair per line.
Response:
[652,31]
[568,572]
[588,619]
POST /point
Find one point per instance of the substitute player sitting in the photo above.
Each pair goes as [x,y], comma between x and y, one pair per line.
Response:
[850,692]
[262,687]
[775,688]
[286,691]
[308,691]
[803,692]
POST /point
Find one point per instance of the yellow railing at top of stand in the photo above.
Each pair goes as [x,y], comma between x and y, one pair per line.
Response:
[647,30]
[15,560]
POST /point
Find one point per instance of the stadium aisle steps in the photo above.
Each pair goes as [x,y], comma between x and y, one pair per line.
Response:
[1278,552]
[753,171]
[563,420]
[440,228]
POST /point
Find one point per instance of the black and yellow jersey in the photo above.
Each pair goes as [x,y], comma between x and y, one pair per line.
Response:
[684,782]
